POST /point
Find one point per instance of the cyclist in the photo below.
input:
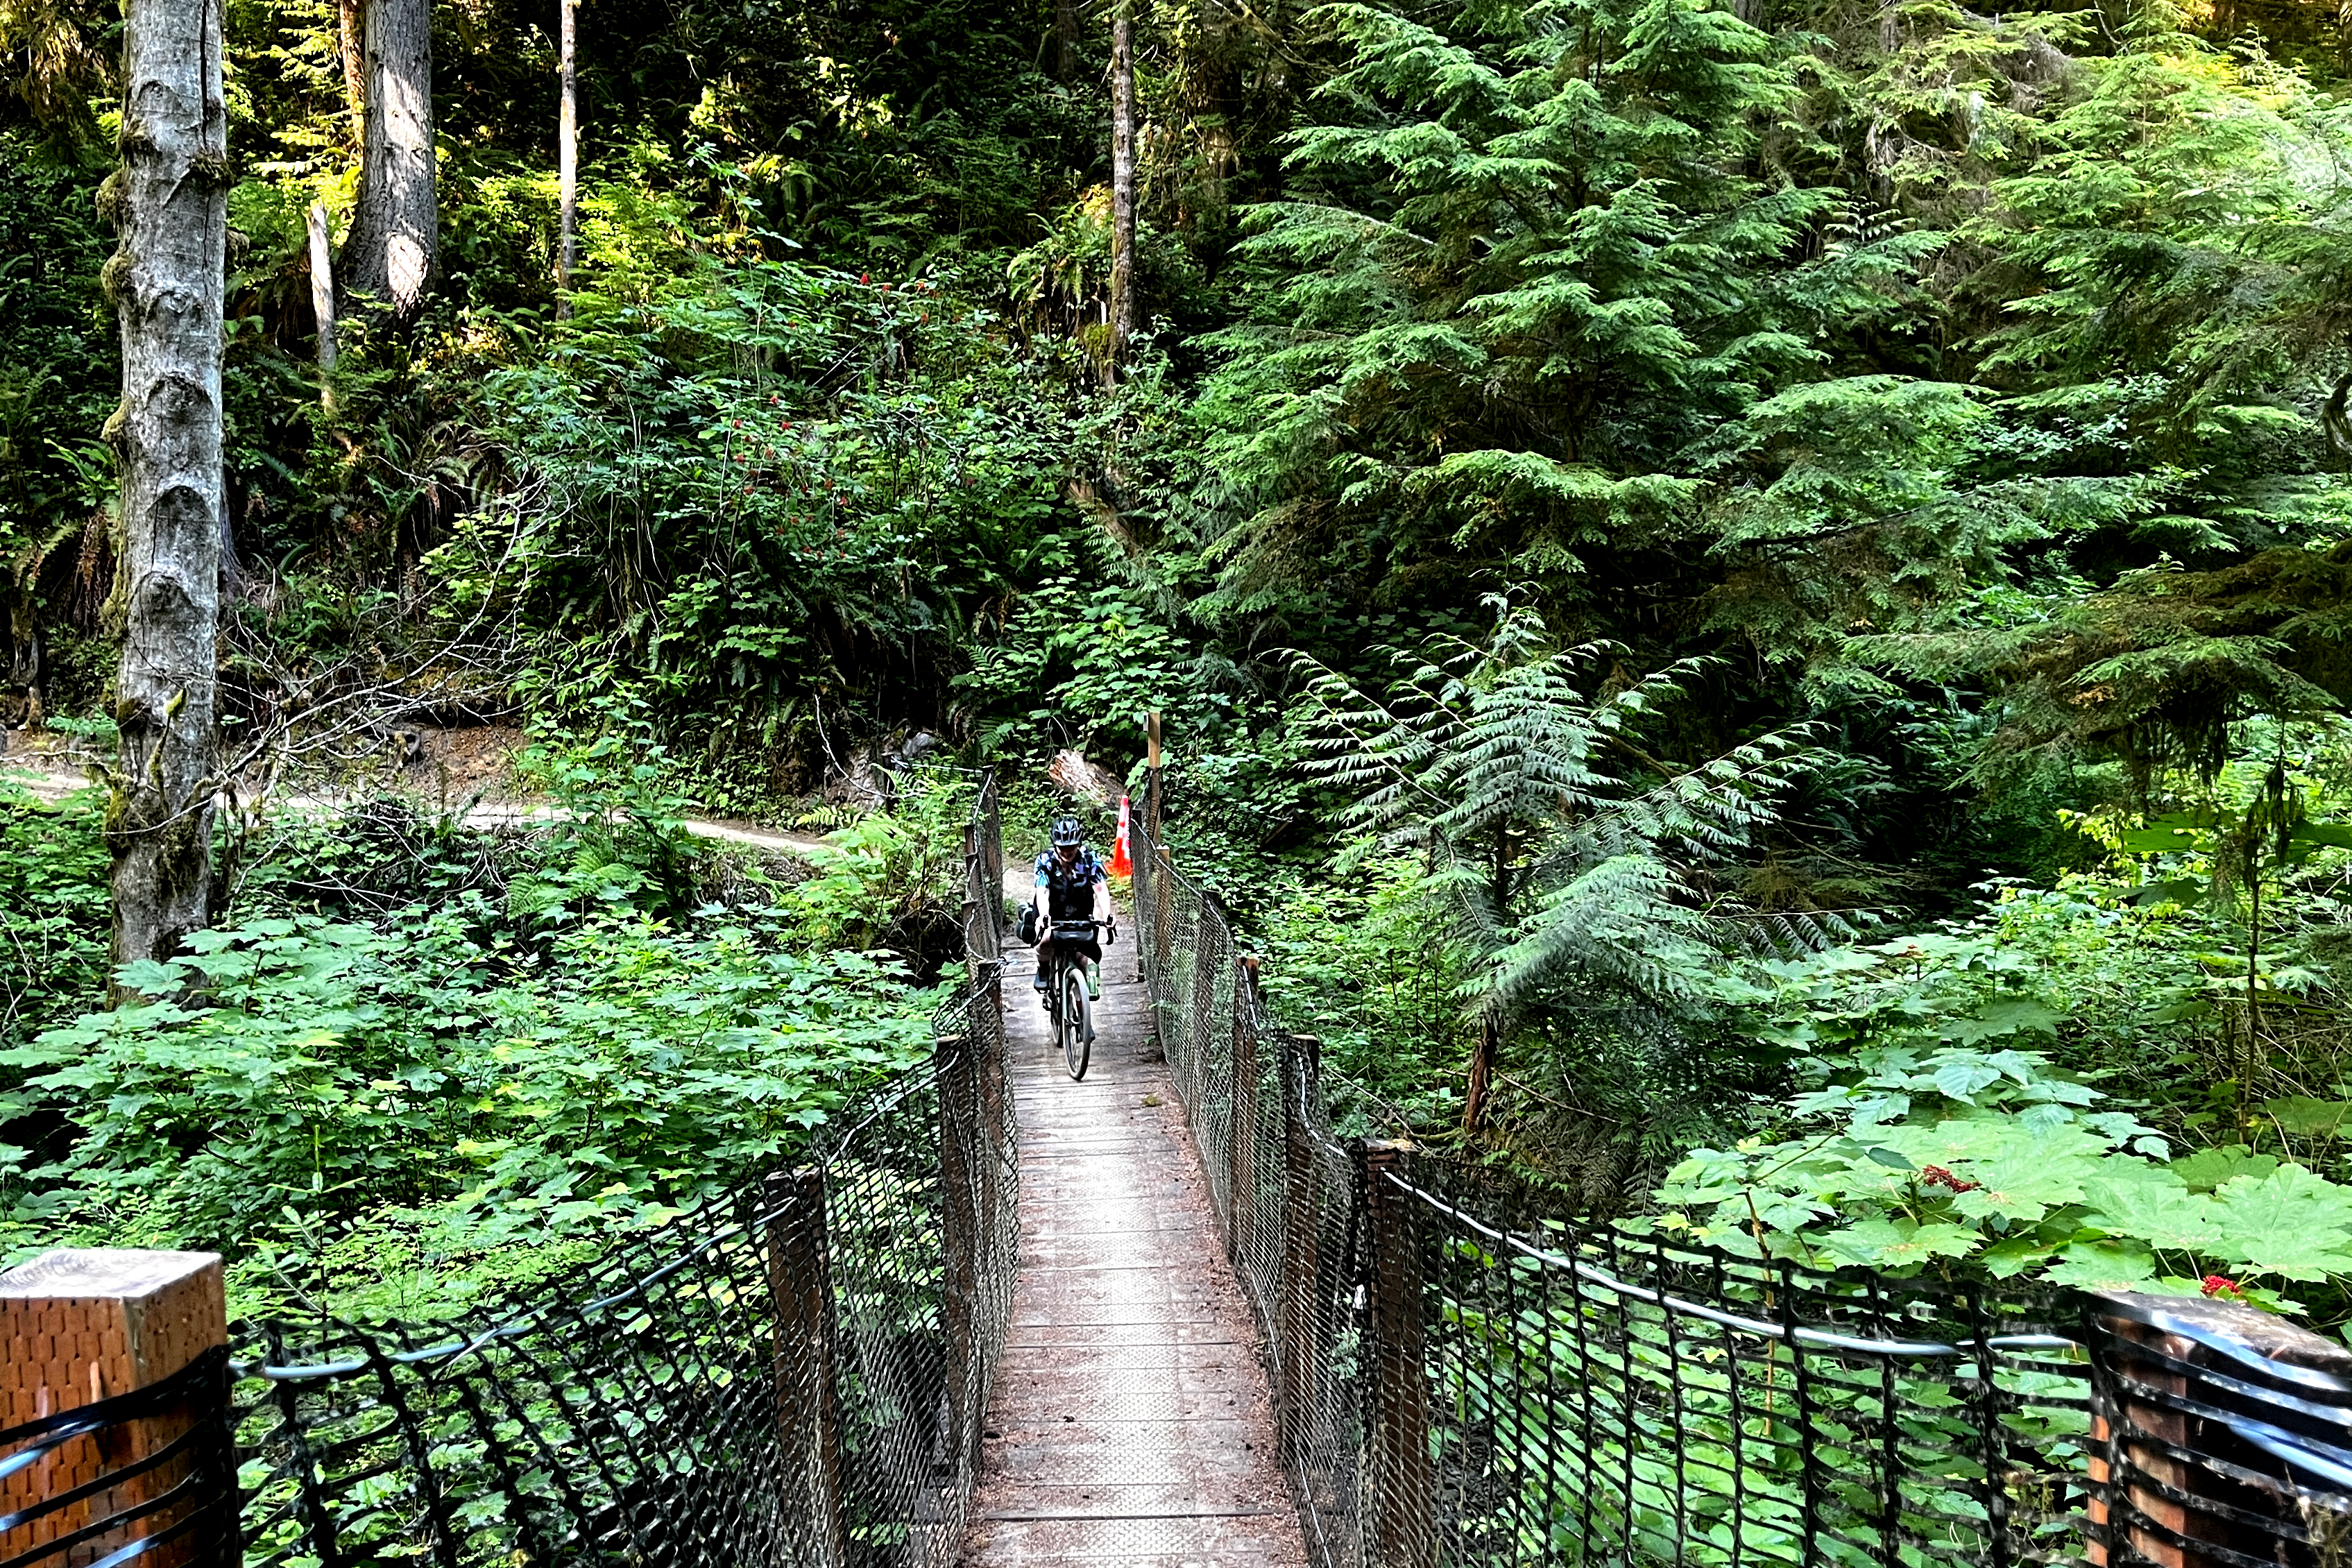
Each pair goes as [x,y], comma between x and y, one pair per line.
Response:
[1071,886]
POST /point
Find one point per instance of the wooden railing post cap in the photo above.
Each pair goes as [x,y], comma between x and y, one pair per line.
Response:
[2265,1333]
[105,1319]
[795,1182]
[1387,1153]
[112,1273]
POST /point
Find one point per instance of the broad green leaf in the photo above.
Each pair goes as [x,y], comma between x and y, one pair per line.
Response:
[2289,1222]
[2304,1117]
[2208,1168]
[2159,840]
[2007,1015]
[1900,1243]
[2161,1212]
[2096,1265]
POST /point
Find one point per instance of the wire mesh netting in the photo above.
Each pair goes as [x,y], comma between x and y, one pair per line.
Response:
[1594,1394]
[137,1473]
[983,889]
[1463,1378]
[792,1374]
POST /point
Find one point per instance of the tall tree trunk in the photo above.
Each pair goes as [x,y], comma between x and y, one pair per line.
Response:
[393,249]
[1066,40]
[567,165]
[169,204]
[354,67]
[1482,1072]
[322,284]
[1122,179]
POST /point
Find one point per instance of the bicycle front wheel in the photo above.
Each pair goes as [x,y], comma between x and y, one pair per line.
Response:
[1078,1025]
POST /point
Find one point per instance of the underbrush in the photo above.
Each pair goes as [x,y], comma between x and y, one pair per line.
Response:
[415,1064]
[2067,1085]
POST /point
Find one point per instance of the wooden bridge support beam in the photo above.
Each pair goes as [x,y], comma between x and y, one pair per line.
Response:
[2177,1385]
[83,1325]
[1402,1530]
[806,1420]
[1300,1355]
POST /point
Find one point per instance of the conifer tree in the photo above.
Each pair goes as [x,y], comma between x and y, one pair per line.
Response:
[567,154]
[170,202]
[1524,279]
[392,251]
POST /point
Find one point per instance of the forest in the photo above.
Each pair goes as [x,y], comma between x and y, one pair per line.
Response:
[1749,597]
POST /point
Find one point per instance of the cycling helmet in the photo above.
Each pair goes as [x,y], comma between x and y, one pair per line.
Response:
[1067,834]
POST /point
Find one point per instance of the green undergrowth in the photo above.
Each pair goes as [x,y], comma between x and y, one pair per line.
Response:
[415,1067]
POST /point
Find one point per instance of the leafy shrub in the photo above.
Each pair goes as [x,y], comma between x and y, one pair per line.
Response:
[336,1069]
[1911,1158]
[53,903]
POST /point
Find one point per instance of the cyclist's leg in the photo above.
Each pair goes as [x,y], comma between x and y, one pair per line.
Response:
[1044,962]
[1092,952]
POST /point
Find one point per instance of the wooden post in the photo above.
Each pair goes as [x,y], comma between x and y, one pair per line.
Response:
[81,1325]
[958,1240]
[1240,1228]
[807,1421]
[1152,778]
[1403,1504]
[2150,1354]
[1299,1353]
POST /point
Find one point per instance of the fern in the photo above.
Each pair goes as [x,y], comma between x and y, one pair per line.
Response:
[1565,865]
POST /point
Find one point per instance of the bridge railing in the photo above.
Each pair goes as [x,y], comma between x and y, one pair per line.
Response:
[1461,1377]
[794,1372]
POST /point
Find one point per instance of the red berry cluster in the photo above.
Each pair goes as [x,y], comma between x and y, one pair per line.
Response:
[1936,1176]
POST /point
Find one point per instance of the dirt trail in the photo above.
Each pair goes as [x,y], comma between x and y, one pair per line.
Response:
[52,775]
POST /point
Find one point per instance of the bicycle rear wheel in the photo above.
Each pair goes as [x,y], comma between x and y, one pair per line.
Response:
[1078,1025]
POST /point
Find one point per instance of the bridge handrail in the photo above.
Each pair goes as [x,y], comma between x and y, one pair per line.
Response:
[1464,1377]
[794,1372]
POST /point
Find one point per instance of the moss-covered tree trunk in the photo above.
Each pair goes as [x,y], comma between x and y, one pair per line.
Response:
[1122,178]
[354,58]
[1066,40]
[169,206]
[394,249]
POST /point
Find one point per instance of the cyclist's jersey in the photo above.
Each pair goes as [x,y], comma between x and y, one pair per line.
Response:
[1070,889]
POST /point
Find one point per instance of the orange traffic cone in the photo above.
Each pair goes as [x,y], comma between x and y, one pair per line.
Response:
[1120,866]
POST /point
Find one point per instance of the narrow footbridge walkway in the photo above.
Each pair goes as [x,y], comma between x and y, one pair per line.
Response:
[1131,1422]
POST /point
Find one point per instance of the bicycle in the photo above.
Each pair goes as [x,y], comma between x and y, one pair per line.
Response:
[1066,992]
